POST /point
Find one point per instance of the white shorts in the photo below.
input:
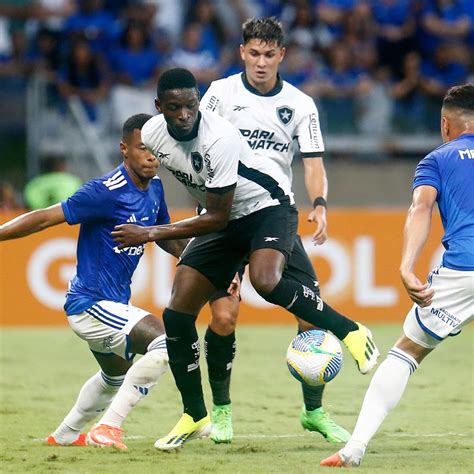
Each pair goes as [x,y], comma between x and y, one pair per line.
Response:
[451,309]
[106,325]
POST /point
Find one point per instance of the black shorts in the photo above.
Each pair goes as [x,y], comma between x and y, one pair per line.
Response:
[298,268]
[218,256]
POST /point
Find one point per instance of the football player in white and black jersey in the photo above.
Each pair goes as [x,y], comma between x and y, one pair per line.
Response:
[250,214]
[273,116]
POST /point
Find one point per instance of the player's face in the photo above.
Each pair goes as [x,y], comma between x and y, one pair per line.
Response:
[180,108]
[138,160]
[261,62]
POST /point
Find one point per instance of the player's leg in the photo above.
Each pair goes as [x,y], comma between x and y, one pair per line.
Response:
[423,331]
[272,243]
[94,397]
[219,348]
[208,263]
[191,290]
[146,337]
[385,391]
[313,416]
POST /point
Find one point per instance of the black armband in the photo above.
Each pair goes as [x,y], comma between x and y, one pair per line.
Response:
[320,201]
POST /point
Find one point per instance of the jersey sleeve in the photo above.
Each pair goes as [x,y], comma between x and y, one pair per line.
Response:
[427,173]
[92,202]
[212,99]
[308,131]
[222,163]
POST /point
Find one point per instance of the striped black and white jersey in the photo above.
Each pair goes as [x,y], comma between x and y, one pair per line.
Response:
[268,122]
[216,160]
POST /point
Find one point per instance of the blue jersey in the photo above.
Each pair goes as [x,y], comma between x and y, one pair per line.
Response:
[103,271]
[450,170]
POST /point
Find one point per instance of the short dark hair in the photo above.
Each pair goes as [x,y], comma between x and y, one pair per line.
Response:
[134,122]
[265,29]
[460,97]
[176,78]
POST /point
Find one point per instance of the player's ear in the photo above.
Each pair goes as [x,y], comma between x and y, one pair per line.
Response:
[242,52]
[445,128]
[123,149]
[282,53]
[158,105]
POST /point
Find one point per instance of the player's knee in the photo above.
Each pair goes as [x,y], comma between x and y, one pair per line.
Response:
[263,282]
[149,368]
[223,322]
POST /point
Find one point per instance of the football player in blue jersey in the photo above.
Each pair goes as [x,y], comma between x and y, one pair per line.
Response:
[97,302]
[444,304]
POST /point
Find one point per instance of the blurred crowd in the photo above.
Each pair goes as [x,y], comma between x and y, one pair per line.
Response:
[373,66]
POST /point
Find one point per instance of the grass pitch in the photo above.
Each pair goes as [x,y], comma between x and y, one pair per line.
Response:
[430,431]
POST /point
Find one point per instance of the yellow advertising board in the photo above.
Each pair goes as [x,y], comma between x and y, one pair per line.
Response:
[357,268]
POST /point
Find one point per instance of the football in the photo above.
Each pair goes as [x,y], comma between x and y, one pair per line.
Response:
[314,357]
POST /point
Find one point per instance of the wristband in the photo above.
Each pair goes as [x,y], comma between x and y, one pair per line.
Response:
[320,201]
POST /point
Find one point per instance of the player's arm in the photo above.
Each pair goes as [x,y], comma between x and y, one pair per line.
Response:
[317,187]
[31,222]
[416,232]
[218,207]
[173,247]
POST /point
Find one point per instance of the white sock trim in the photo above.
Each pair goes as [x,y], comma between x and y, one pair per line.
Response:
[403,357]
[112,380]
[159,344]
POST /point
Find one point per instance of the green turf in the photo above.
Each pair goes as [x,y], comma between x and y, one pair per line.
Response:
[431,430]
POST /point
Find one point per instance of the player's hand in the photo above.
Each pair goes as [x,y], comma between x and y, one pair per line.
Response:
[234,287]
[318,215]
[417,291]
[130,235]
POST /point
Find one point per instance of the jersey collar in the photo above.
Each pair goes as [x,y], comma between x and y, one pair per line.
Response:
[278,86]
[192,134]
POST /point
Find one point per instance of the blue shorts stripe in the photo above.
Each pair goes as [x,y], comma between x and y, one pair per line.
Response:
[422,326]
[97,305]
[106,317]
[91,313]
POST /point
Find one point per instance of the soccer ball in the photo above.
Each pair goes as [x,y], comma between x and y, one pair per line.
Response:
[314,357]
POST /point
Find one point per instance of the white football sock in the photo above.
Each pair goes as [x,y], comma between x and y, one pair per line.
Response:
[384,392]
[94,397]
[140,379]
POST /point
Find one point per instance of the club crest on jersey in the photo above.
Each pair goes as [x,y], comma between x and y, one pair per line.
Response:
[285,114]
[197,161]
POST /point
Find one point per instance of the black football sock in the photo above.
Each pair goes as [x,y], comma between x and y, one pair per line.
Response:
[183,352]
[303,302]
[220,352]
[312,396]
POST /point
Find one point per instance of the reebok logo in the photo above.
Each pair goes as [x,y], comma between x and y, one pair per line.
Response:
[271,239]
[239,108]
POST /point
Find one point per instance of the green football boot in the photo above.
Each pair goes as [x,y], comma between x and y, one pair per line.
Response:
[221,417]
[318,420]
